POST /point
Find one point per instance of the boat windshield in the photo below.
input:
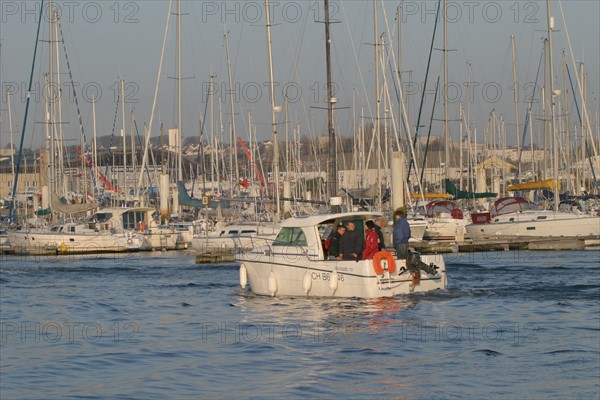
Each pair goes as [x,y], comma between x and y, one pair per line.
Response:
[100,217]
[290,236]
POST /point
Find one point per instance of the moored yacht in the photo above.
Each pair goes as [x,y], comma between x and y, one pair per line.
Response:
[518,217]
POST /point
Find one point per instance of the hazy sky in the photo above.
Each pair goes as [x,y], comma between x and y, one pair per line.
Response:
[109,40]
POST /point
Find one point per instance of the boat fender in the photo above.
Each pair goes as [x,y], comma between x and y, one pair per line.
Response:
[390,263]
[272,284]
[243,276]
[333,282]
[307,282]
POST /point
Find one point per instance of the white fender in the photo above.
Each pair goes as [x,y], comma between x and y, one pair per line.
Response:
[272,284]
[333,282]
[243,276]
[307,282]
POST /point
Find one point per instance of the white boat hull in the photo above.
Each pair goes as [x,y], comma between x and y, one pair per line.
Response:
[417,229]
[277,275]
[229,243]
[538,224]
[31,242]
[161,239]
[445,229]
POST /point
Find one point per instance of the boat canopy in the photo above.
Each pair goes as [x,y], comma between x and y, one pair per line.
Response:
[536,185]
[316,219]
[431,196]
[463,194]
[436,208]
[507,205]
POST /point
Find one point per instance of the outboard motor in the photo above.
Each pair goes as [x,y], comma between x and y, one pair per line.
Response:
[414,263]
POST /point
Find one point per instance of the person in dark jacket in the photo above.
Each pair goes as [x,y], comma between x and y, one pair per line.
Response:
[379,225]
[401,233]
[352,243]
[334,242]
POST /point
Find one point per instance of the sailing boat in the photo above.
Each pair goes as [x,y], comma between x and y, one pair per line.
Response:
[90,236]
[541,223]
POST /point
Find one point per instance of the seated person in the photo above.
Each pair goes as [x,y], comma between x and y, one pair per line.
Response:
[334,242]
[352,243]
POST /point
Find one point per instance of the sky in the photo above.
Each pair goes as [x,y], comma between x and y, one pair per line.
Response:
[107,41]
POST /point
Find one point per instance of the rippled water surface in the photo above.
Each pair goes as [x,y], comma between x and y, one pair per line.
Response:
[157,325]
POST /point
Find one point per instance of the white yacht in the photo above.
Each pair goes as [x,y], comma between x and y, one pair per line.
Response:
[515,216]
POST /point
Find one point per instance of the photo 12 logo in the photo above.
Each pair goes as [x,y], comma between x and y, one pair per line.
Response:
[67,332]
[70,92]
[470,11]
[255,12]
[117,12]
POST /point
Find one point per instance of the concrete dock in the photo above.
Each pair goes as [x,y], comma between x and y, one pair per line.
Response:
[508,243]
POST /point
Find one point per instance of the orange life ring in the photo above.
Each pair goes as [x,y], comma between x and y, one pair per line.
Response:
[142,226]
[389,257]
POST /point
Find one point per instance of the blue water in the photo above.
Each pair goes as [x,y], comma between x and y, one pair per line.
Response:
[511,325]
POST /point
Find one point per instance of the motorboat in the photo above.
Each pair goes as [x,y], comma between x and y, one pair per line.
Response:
[233,237]
[295,263]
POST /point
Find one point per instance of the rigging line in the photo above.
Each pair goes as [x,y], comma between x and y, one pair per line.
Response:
[429,132]
[528,113]
[20,154]
[356,58]
[200,155]
[587,147]
[425,82]
[81,128]
[112,135]
[139,139]
[154,101]
[295,73]
[579,84]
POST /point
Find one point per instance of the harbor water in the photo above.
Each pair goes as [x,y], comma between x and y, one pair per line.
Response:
[512,325]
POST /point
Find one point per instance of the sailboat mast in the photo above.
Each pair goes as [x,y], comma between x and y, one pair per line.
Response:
[273,115]
[516,101]
[552,96]
[234,174]
[377,100]
[179,130]
[446,130]
[124,136]
[332,160]
[95,147]
[50,105]
[12,146]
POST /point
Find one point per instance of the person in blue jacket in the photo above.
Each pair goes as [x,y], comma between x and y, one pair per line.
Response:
[401,233]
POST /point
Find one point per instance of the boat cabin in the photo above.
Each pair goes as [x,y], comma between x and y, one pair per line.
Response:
[306,236]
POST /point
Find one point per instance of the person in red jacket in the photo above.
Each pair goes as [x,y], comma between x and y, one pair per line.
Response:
[371,241]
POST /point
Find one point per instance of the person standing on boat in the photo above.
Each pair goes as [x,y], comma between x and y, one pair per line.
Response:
[401,233]
[334,242]
[379,225]
[352,243]
[371,241]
